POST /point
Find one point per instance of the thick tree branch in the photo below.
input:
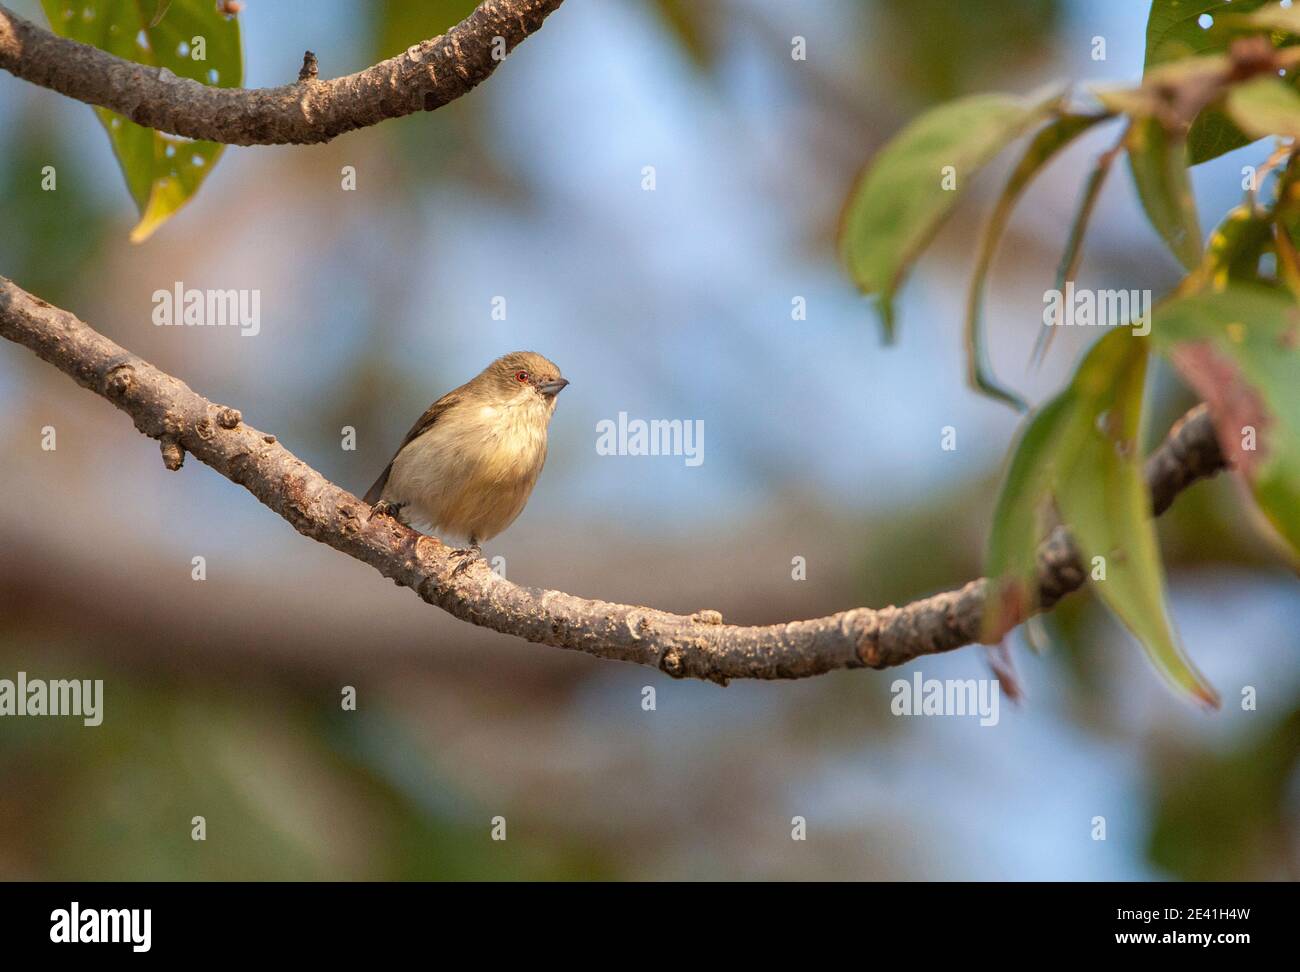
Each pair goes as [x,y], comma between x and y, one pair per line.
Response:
[695,646]
[424,77]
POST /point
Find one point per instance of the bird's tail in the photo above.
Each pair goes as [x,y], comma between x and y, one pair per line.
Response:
[377,490]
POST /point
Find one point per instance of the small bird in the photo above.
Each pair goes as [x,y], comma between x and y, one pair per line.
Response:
[468,465]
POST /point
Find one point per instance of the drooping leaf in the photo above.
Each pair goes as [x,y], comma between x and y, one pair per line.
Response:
[1051,139]
[1157,159]
[1240,350]
[1264,107]
[1175,31]
[1104,500]
[900,200]
[1020,521]
[1080,451]
[162,171]
[1068,268]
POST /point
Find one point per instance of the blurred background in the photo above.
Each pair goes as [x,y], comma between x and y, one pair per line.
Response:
[222,696]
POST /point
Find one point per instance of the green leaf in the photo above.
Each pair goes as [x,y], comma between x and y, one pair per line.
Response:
[1020,520]
[1234,249]
[1081,450]
[1264,107]
[900,201]
[1044,146]
[1275,17]
[1068,268]
[1240,350]
[1173,33]
[162,171]
[1158,161]
[1104,500]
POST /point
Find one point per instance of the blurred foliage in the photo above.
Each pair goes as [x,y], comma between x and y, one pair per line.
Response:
[427,142]
[1224,816]
[291,788]
[692,24]
[50,237]
[938,49]
[399,24]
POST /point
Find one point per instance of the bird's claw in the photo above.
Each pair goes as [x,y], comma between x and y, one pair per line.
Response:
[466,556]
[385,508]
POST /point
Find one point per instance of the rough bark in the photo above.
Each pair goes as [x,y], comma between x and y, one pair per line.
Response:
[424,77]
[695,646]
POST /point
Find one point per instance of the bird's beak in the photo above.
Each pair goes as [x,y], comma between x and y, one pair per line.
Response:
[552,388]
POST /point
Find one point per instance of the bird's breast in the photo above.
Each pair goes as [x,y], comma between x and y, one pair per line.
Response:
[472,474]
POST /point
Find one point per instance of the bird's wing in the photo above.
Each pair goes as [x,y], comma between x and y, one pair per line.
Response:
[422,425]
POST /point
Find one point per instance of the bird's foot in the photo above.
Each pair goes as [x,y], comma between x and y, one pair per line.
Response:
[386,508]
[465,557]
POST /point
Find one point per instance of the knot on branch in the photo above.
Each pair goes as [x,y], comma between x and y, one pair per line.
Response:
[173,453]
[707,616]
[671,663]
[118,379]
[229,418]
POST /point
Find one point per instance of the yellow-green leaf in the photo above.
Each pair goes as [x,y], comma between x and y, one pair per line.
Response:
[1021,521]
[1158,161]
[1264,107]
[1081,451]
[1104,500]
[904,194]
[191,39]
[1274,17]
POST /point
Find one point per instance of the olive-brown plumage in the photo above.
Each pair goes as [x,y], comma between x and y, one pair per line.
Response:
[469,463]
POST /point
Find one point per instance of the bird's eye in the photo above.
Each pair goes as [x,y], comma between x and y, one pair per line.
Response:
[521,376]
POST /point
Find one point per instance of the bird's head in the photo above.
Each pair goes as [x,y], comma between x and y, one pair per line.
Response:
[523,376]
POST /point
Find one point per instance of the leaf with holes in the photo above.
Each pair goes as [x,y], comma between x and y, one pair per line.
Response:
[902,197]
[1240,350]
[190,39]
